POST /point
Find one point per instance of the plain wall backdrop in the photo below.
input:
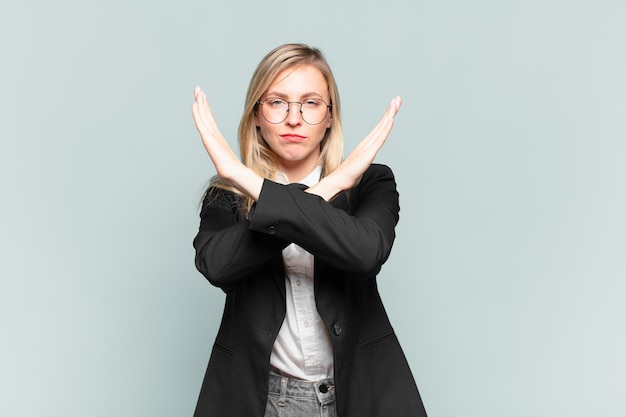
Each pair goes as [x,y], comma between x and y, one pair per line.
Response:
[506,285]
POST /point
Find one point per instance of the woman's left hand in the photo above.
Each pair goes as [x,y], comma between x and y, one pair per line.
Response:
[352,168]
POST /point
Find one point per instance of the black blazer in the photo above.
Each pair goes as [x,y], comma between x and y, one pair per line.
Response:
[350,238]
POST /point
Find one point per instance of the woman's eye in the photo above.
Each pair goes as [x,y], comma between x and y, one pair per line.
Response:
[276,103]
[312,103]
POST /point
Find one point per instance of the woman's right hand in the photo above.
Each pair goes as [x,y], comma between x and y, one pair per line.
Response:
[229,168]
[219,151]
[352,168]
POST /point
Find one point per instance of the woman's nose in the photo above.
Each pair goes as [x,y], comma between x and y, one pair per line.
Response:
[294,116]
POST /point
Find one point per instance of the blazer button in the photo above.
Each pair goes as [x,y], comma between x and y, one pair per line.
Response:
[271,230]
[338,329]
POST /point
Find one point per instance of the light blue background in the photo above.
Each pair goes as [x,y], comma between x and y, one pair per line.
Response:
[507,281]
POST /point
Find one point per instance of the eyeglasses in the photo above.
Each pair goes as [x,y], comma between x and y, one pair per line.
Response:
[275,110]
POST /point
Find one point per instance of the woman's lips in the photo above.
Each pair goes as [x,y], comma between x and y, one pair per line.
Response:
[292,137]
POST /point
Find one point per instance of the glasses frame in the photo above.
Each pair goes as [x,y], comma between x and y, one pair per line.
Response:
[289,103]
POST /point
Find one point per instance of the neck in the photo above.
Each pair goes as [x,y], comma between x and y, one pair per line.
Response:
[297,171]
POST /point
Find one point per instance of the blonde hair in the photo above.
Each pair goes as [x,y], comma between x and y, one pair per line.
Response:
[255,153]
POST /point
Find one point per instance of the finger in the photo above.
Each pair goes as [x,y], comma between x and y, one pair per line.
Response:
[390,114]
[381,131]
[391,111]
[386,122]
[383,122]
[398,101]
[204,109]
[398,104]
[195,111]
[197,106]
[202,115]
[394,106]
[198,118]
[200,97]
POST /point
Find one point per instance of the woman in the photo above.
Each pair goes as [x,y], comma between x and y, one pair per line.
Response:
[295,236]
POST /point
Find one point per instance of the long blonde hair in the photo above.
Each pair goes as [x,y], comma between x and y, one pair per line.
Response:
[255,153]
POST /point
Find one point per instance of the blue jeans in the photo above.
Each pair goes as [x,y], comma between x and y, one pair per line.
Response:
[288,397]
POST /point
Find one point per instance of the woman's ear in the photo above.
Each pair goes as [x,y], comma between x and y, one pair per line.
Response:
[256,115]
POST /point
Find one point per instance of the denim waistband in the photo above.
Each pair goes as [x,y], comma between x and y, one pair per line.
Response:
[322,390]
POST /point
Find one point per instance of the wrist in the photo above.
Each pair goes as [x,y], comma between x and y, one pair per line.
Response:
[247,181]
[327,188]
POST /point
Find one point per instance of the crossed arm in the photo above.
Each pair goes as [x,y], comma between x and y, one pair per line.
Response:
[359,242]
[232,171]
[227,249]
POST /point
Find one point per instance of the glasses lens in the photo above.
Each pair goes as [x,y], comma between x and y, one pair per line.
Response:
[275,110]
[314,111]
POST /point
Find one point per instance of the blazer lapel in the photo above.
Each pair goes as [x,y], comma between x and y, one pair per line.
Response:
[278,274]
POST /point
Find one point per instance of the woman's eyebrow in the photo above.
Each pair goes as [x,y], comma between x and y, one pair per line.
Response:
[285,96]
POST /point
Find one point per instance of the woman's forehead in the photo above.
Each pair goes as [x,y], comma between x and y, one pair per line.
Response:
[301,80]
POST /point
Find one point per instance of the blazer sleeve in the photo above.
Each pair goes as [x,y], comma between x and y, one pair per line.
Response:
[226,248]
[358,242]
